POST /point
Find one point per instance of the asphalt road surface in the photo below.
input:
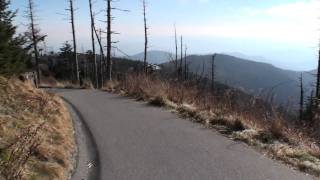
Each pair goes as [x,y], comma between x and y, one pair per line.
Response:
[139,142]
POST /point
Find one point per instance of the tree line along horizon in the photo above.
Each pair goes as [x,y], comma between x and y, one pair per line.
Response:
[20,52]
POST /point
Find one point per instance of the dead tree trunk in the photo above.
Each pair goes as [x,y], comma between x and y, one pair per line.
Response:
[109,41]
[317,97]
[185,64]
[318,79]
[93,45]
[310,107]
[301,99]
[176,44]
[34,40]
[213,72]
[75,55]
[145,63]
[101,58]
[181,58]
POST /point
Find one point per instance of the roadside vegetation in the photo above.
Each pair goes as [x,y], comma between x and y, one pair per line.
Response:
[233,113]
[36,133]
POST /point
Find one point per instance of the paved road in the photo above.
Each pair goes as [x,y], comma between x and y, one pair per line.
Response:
[139,142]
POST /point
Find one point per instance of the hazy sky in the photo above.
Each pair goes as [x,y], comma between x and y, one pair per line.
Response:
[282,32]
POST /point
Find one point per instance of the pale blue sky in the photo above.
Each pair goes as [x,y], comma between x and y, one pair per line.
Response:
[283,32]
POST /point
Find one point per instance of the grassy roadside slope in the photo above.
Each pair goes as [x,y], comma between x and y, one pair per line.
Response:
[36,133]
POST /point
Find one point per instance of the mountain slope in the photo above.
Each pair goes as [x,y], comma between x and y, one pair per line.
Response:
[253,77]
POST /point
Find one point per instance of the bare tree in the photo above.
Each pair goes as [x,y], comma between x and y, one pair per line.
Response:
[213,72]
[75,55]
[181,58]
[34,39]
[101,57]
[109,36]
[109,41]
[93,44]
[176,46]
[310,106]
[145,63]
[301,108]
[185,64]
[318,80]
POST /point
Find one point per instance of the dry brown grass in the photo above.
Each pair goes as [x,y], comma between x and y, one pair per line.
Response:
[36,133]
[87,84]
[232,113]
[50,81]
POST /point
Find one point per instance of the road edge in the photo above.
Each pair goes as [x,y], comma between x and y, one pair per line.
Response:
[93,169]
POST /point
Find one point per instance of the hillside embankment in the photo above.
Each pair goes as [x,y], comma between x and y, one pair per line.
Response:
[36,133]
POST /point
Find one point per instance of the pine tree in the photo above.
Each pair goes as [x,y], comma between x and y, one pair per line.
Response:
[63,69]
[66,51]
[13,57]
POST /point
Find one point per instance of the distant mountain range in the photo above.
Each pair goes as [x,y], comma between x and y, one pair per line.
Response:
[252,77]
[250,58]
[154,57]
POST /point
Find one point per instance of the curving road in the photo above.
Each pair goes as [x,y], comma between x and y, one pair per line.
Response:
[139,142]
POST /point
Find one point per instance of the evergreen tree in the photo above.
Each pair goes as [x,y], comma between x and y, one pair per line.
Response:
[66,51]
[64,67]
[13,56]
